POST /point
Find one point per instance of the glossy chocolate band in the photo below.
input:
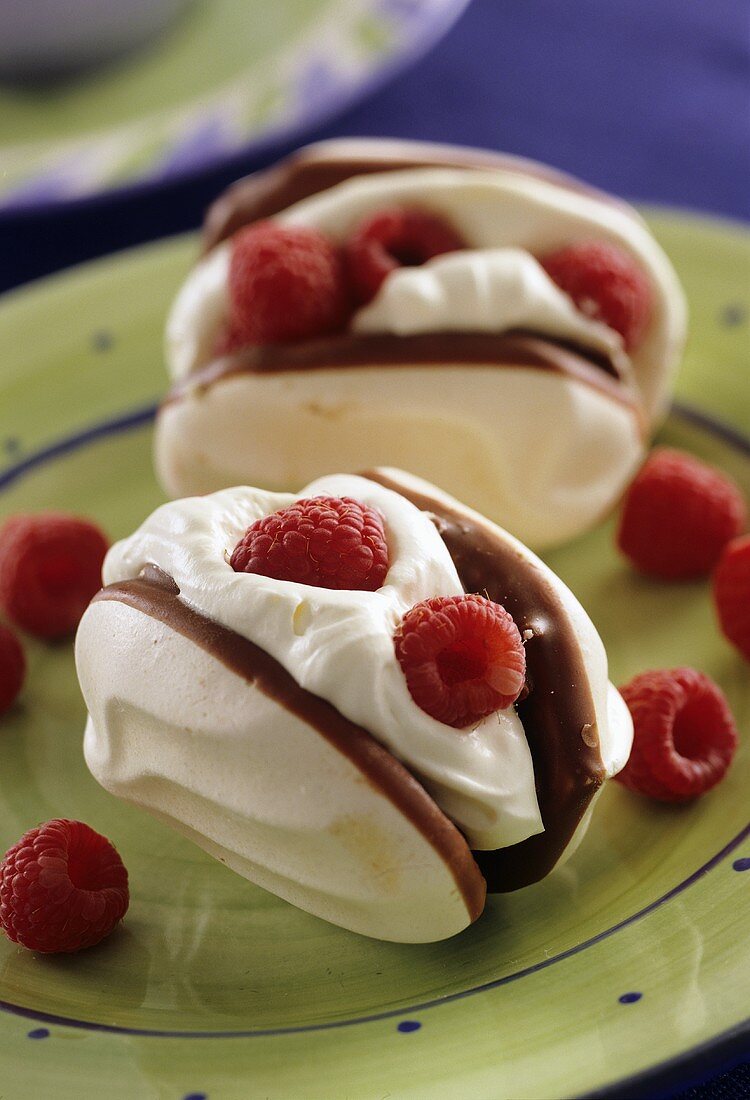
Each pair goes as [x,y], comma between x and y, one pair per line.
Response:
[449,350]
[307,173]
[558,714]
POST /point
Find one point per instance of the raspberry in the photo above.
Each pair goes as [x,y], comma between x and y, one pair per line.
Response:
[685,736]
[227,341]
[677,516]
[605,283]
[285,283]
[731,588]
[395,238]
[331,542]
[12,668]
[62,887]
[462,657]
[50,567]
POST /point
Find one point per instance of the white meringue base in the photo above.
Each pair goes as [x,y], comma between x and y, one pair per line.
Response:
[339,849]
[542,454]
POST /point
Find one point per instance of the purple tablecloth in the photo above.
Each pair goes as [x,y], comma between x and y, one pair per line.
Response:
[647,98]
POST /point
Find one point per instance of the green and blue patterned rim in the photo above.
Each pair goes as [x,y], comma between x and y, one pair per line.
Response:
[229,78]
[616,975]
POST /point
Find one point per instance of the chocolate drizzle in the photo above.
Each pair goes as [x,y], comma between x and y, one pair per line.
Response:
[449,350]
[558,714]
[430,349]
[307,173]
[157,595]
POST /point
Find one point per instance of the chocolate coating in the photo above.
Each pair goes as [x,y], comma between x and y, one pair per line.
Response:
[558,714]
[308,172]
[432,349]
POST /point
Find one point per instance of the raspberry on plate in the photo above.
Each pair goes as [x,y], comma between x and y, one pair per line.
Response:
[731,589]
[50,567]
[462,656]
[684,734]
[605,283]
[63,887]
[285,283]
[331,542]
[393,238]
[677,516]
[12,668]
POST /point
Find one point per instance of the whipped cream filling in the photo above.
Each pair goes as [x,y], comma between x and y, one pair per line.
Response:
[481,290]
[472,290]
[339,644]
[496,212]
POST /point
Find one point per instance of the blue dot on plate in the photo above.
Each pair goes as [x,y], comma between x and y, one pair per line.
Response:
[196,1096]
[408,1025]
[742,864]
[102,340]
[733,315]
[39,1033]
[629,998]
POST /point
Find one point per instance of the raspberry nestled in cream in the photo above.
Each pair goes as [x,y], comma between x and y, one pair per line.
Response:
[482,321]
[462,657]
[331,542]
[351,697]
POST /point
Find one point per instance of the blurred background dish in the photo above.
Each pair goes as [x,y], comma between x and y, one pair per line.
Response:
[648,101]
[44,40]
[229,76]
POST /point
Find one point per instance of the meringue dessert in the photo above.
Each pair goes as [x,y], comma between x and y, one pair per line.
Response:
[460,358]
[287,727]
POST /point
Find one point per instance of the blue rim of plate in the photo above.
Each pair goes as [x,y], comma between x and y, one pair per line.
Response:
[722,1052]
[692,1068]
[420,25]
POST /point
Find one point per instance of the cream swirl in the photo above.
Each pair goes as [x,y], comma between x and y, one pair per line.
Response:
[339,644]
[481,290]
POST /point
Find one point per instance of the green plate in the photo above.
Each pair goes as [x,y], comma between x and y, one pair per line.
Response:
[631,957]
[229,76]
